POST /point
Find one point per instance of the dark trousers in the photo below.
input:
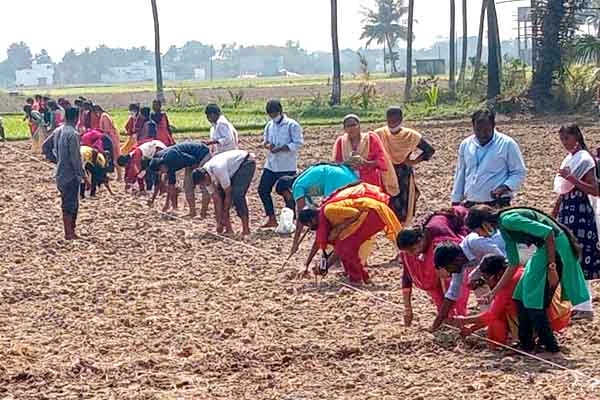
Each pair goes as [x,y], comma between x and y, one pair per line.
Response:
[69,197]
[265,187]
[533,321]
[240,183]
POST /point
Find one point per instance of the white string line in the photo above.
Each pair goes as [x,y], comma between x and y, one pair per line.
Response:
[226,238]
[595,381]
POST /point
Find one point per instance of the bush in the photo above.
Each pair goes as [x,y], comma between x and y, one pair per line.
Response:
[578,85]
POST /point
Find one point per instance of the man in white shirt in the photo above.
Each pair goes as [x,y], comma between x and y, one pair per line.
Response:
[223,135]
[283,139]
[227,176]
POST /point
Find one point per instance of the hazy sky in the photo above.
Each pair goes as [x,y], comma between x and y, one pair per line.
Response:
[60,25]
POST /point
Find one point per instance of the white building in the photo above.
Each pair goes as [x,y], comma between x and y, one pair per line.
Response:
[199,74]
[37,75]
[135,72]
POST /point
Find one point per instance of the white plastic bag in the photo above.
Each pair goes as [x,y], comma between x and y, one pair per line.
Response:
[286,222]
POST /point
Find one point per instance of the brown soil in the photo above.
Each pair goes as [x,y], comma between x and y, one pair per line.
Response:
[150,308]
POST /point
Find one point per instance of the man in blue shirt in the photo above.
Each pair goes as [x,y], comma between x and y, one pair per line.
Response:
[282,138]
[490,165]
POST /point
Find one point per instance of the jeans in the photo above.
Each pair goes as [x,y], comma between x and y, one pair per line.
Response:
[265,187]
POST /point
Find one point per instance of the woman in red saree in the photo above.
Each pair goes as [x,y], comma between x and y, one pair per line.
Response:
[364,152]
[163,127]
[348,220]
[107,126]
[417,247]
[501,318]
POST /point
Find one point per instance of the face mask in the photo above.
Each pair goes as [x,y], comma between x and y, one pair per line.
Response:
[396,129]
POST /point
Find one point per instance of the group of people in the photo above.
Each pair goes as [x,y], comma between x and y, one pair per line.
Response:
[367,187]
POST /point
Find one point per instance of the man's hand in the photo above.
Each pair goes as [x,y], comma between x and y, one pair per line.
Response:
[269,146]
[500,191]
[408,316]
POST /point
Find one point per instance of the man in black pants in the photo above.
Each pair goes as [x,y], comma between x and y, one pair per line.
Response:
[283,139]
[227,176]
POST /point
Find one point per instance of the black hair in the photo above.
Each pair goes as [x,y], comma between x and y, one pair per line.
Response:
[29,100]
[284,184]
[123,160]
[409,237]
[145,111]
[307,215]
[53,105]
[38,96]
[446,253]
[97,108]
[212,108]
[480,215]
[492,264]
[395,112]
[71,114]
[482,114]
[134,107]
[77,102]
[157,101]
[27,109]
[198,175]
[274,106]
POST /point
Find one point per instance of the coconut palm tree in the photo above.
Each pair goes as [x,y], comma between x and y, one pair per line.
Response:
[465,47]
[587,49]
[409,50]
[384,26]
[160,93]
[336,87]
[477,65]
[452,48]
[494,53]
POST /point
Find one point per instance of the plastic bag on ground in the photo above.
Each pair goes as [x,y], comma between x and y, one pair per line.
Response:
[286,222]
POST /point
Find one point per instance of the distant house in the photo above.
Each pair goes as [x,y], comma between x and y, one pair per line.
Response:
[135,72]
[199,74]
[37,75]
[431,67]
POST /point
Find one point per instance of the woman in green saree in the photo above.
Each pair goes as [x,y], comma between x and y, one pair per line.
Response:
[556,261]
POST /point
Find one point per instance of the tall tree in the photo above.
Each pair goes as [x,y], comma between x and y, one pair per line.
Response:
[160,93]
[494,53]
[477,65]
[43,57]
[336,87]
[550,51]
[384,26]
[452,48]
[409,50]
[465,47]
[18,56]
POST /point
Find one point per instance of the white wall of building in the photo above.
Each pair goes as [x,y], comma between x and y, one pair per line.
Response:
[38,75]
